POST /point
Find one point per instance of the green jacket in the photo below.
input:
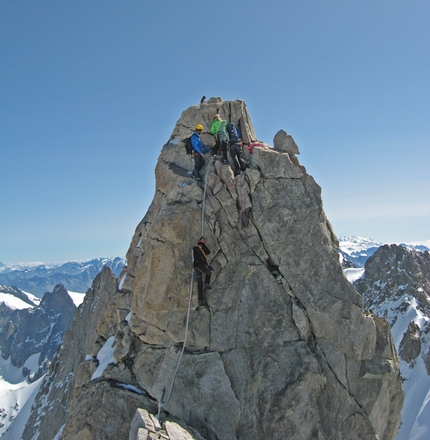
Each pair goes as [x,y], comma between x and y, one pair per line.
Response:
[216,125]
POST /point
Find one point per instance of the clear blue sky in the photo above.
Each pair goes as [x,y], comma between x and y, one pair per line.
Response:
[91,90]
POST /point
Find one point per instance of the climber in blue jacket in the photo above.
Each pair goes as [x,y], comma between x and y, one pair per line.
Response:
[199,149]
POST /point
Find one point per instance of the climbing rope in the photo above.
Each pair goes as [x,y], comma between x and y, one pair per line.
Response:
[162,402]
[204,197]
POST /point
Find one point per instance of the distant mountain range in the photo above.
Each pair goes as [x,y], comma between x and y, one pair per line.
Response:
[77,276]
[355,251]
[38,278]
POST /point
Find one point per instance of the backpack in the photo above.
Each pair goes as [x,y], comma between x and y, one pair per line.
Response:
[223,135]
[232,132]
[188,146]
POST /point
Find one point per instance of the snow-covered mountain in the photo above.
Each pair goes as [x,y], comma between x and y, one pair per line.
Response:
[14,298]
[33,327]
[395,284]
[16,397]
[39,278]
[31,330]
[354,251]
[10,267]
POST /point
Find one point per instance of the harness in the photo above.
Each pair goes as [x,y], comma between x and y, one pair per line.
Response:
[202,251]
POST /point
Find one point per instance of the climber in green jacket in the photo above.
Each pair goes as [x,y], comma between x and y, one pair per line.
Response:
[218,129]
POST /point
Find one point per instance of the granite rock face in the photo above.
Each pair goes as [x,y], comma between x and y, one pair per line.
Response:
[145,426]
[284,142]
[283,349]
[410,345]
[231,111]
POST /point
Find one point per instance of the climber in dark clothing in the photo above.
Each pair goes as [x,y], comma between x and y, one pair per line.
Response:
[201,267]
[236,152]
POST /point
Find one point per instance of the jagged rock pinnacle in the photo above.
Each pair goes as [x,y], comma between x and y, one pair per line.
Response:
[283,349]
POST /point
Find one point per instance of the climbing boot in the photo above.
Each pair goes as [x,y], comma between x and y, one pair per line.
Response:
[208,286]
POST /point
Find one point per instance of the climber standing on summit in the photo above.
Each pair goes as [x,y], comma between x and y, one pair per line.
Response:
[236,149]
[201,267]
[199,149]
[221,137]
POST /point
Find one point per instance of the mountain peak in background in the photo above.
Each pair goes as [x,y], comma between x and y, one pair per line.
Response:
[355,251]
[30,332]
[396,285]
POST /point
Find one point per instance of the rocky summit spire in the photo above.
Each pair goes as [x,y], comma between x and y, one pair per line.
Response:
[282,349]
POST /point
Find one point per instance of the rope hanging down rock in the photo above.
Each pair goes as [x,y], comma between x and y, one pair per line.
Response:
[204,198]
[162,402]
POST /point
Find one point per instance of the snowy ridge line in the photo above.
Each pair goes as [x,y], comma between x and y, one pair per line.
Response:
[32,265]
[352,243]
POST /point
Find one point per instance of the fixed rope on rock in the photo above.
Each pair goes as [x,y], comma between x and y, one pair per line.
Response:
[204,198]
[161,401]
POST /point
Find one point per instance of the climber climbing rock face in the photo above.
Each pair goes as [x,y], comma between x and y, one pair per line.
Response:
[236,155]
[199,148]
[201,268]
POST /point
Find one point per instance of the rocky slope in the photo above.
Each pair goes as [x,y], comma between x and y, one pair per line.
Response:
[396,285]
[283,349]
